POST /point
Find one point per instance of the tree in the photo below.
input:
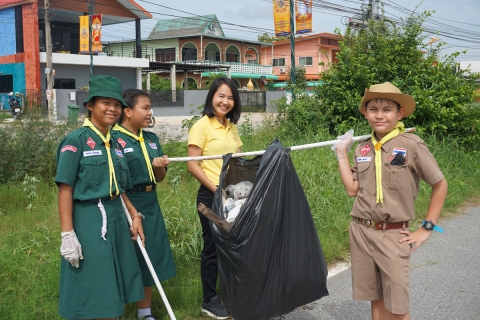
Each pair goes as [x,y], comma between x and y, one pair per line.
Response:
[269,39]
[206,83]
[301,80]
[384,52]
[157,83]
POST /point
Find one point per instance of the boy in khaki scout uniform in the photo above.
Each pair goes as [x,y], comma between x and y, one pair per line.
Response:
[99,272]
[384,179]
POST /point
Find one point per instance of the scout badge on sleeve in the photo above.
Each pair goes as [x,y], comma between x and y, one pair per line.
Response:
[122,142]
[365,150]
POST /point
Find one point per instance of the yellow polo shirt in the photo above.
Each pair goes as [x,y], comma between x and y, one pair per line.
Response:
[214,139]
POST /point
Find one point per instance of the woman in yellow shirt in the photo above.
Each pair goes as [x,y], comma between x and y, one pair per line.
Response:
[215,133]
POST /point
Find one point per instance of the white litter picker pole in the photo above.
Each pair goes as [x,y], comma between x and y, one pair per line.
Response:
[257,153]
[150,266]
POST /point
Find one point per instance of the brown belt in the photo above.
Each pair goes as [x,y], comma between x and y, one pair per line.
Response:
[378,225]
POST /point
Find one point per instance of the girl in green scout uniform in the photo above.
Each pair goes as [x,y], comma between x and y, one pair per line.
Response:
[98,275]
[147,166]
[214,134]
[385,180]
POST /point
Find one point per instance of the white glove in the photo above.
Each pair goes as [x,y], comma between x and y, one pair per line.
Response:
[71,249]
[345,143]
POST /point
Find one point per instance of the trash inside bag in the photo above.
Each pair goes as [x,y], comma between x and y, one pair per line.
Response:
[270,260]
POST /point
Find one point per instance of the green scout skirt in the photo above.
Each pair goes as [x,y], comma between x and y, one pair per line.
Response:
[157,244]
[109,275]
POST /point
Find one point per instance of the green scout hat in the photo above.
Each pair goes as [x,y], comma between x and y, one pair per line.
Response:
[388,91]
[105,86]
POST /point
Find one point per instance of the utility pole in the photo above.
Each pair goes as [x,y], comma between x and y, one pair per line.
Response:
[376,9]
[48,70]
[91,5]
[292,46]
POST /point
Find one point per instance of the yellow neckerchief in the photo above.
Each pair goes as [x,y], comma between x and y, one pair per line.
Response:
[111,169]
[142,145]
[399,128]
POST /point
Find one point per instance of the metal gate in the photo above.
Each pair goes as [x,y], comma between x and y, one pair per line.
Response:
[253,101]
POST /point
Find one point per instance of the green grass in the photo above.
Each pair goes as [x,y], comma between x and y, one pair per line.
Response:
[30,239]
[5,115]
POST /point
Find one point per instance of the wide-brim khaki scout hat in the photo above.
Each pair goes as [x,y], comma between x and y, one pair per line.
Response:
[388,91]
[105,86]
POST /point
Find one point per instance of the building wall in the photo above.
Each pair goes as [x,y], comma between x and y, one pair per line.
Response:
[306,48]
[31,45]
[127,48]
[7,32]
[81,74]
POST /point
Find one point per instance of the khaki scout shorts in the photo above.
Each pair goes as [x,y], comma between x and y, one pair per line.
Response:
[380,266]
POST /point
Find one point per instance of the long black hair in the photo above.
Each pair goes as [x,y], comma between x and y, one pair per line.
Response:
[234,115]
[130,96]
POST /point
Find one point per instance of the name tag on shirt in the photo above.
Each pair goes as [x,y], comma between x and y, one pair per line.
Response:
[364,159]
[92,153]
[127,150]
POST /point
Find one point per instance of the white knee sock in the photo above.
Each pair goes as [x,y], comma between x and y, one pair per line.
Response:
[144,312]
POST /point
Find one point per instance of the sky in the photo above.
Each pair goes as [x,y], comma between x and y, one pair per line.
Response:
[457,21]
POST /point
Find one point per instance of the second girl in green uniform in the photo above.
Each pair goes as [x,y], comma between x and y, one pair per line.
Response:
[147,165]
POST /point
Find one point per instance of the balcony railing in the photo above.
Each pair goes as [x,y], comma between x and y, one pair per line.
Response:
[235,66]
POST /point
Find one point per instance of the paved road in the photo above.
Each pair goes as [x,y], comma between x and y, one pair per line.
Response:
[171,127]
[444,284]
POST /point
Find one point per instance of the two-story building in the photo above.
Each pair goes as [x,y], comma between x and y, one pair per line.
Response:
[198,41]
[314,52]
[23,45]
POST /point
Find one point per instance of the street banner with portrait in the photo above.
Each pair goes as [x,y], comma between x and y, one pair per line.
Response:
[84,34]
[281,17]
[97,33]
[303,16]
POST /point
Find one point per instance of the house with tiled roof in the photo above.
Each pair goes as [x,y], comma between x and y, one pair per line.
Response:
[314,52]
[192,44]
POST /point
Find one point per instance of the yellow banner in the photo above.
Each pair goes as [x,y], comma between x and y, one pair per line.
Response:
[281,17]
[84,34]
[97,33]
[303,16]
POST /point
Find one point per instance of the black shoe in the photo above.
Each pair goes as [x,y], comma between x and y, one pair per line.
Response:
[215,309]
[149,317]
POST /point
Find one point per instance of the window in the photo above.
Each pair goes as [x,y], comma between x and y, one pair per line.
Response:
[6,83]
[232,57]
[252,62]
[189,54]
[279,62]
[212,55]
[164,55]
[63,83]
[305,61]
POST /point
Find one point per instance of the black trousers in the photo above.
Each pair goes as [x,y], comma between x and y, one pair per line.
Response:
[208,262]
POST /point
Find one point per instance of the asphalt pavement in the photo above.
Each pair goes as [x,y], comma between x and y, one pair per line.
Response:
[444,279]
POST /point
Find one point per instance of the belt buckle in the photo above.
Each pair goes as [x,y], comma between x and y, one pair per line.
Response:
[148,188]
[369,223]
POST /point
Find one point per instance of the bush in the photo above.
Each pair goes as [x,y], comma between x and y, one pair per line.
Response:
[28,148]
[383,52]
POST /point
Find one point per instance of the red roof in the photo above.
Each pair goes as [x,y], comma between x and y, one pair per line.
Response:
[11,3]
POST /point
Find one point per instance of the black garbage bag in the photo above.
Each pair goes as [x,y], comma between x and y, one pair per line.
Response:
[271,261]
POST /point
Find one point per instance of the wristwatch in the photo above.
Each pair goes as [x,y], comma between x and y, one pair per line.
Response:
[429,225]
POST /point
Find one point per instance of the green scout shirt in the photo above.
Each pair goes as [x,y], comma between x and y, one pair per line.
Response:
[133,153]
[82,163]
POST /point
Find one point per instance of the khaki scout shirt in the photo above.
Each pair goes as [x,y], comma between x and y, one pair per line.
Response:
[399,183]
